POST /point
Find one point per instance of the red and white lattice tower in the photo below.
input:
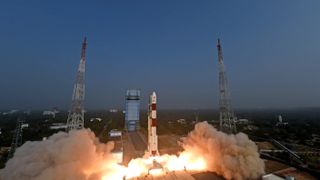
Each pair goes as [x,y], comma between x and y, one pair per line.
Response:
[76,114]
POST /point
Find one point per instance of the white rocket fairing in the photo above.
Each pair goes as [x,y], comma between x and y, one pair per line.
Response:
[152,126]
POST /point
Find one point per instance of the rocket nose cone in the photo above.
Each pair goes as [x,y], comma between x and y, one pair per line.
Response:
[154,93]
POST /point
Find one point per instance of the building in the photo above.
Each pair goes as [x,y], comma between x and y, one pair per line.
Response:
[24,125]
[57,126]
[281,122]
[242,121]
[49,113]
[95,119]
[132,110]
[113,110]
[181,121]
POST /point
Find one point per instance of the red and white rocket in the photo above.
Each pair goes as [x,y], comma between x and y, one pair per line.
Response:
[152,126]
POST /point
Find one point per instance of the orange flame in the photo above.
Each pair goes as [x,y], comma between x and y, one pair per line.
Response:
[144,166]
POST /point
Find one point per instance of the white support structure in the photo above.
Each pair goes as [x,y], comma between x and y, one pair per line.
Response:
[76,114]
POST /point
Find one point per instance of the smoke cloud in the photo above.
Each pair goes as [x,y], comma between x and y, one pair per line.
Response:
[232,156]
[78,155]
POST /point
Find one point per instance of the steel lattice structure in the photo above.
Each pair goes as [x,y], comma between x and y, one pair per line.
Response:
[76,114]
[17,138]
[227,117]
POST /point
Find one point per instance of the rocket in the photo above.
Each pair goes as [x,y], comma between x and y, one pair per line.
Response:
[152,126]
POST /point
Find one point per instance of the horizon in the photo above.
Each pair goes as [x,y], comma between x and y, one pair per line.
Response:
[165,109]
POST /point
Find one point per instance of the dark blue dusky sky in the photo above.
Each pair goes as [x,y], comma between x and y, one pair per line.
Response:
[271,52]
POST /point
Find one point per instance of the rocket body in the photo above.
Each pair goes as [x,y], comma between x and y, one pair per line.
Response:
[152,126]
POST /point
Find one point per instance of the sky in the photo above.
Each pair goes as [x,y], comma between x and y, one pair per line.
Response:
[271,52]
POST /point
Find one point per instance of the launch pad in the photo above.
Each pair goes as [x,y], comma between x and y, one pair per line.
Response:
[185,175]
[167,145]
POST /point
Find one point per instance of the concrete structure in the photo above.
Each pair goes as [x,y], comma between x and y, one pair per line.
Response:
[132,112]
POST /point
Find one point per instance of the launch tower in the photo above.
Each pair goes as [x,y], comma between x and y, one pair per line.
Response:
[17,138]
[76,114]
[227,118]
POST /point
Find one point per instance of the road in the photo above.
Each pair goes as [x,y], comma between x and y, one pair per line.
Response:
[137,141]
[134,144]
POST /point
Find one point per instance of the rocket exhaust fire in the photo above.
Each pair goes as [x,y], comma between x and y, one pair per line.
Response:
[80,155]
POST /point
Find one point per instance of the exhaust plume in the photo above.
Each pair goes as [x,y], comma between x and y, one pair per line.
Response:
[75,155]
[232,156]
[78,155]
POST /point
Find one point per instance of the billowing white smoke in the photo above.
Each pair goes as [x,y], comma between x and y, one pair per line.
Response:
[76,155]
[233,156]
[79,155]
